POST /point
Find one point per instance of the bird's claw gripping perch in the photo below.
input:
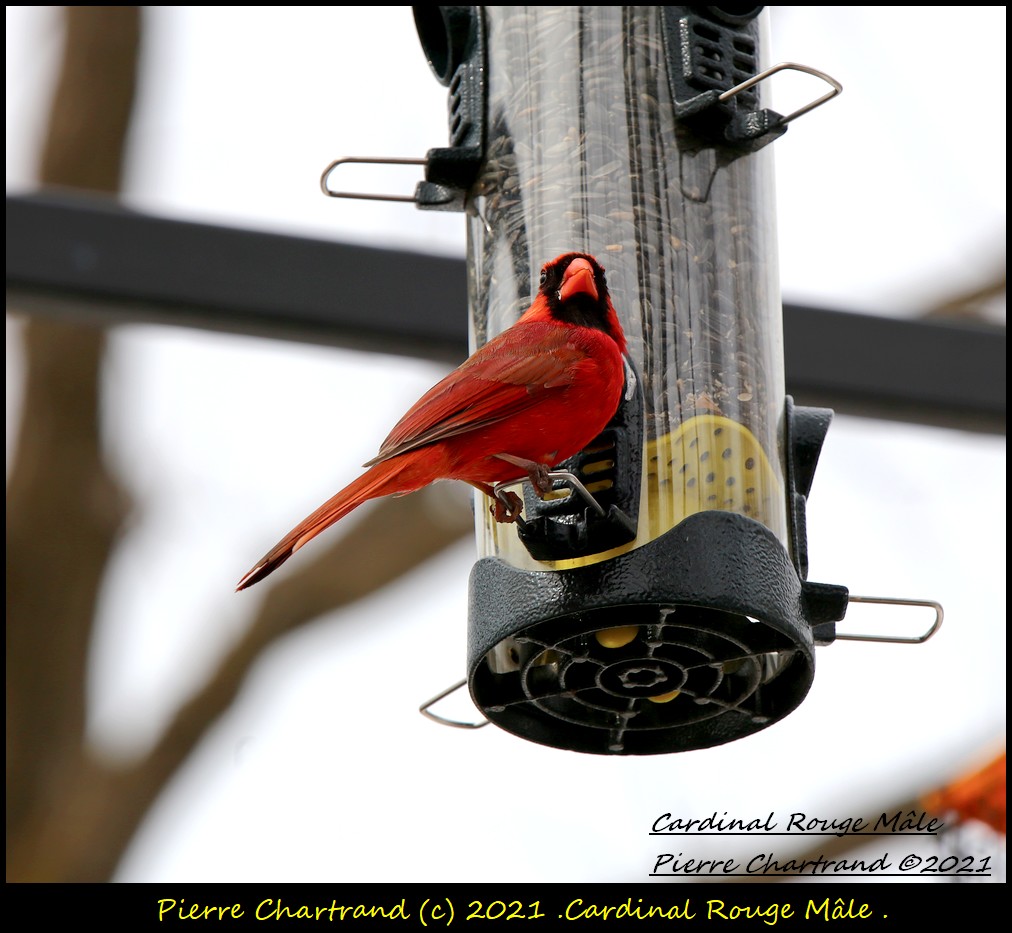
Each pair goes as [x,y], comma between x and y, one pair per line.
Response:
[507,507]
[508,504]
[538,474]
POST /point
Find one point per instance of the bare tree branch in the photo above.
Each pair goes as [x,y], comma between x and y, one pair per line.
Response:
[98,809]
[71,815]
[63,507]
[973,305]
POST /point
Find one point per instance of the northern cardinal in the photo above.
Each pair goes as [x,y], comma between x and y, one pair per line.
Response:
[527,400]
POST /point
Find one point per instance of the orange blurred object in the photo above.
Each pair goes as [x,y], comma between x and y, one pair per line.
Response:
[977,796]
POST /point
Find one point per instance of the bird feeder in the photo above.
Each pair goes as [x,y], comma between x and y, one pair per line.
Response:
[657,599]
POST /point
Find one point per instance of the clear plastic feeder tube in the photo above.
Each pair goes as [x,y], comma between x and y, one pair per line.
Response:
[584,153]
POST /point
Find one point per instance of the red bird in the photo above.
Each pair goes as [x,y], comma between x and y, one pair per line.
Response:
[527,400]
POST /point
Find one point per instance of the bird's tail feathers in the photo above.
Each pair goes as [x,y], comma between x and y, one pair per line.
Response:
[381,480]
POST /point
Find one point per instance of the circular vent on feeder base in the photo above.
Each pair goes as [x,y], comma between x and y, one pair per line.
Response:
[642,679]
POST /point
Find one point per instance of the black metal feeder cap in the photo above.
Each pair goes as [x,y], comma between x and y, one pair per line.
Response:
[698,638]
[733,15]
[444,32]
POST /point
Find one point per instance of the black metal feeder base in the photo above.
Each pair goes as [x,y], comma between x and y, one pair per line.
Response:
[703,636]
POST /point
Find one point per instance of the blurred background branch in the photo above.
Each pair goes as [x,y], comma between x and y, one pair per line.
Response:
[64,508]
[71,814]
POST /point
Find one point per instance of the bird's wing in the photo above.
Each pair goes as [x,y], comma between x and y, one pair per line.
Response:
[508,375]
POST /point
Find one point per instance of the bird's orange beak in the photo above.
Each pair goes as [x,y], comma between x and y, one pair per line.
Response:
[578,279]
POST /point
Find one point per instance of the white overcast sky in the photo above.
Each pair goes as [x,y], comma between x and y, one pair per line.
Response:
[891,198]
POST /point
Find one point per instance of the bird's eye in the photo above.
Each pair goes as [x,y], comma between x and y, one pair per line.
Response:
[544,276]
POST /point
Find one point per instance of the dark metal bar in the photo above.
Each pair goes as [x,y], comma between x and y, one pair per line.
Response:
[945,373]
[85,256]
